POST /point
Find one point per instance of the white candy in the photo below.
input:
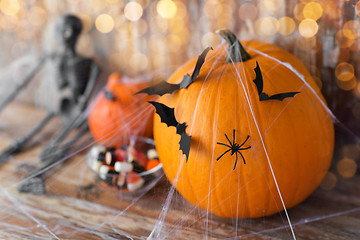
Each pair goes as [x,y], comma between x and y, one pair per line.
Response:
[96,150]
[103,171]
[134,186]
[123,167]
[152,154]
[95,164]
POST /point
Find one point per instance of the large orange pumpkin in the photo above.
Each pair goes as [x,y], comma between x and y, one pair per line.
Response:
[291,140]
[117,114]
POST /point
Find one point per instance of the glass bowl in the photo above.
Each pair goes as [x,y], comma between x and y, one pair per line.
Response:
[131,169]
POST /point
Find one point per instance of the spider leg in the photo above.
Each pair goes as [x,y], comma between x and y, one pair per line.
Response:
[223,144]
[245,140]
[242,157]
[244,148]
[228,139]
[222,154]
[236,160]
[233,137]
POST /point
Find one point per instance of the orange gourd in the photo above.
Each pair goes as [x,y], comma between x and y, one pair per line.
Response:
[297,133]
[117,114]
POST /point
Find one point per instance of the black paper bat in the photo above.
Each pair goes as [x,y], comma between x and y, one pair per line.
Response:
[259,85]
[167,116]
[165,87]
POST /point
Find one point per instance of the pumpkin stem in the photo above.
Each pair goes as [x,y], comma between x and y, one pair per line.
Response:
[236,52]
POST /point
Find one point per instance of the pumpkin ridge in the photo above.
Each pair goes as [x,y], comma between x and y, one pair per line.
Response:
[222,207]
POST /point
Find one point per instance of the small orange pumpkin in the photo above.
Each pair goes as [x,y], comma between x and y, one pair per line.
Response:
[117,114]
[291,140]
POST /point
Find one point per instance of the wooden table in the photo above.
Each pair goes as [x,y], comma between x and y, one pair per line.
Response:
[64,214]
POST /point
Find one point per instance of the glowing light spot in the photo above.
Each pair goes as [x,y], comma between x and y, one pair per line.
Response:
[133,11]
[298,11]
[266,26]
[10,7]
[329,181]
[343,41]
[308,28]
[271,6]
[347,85]
[166,8]
[248,11]
[37,16]
[346,167]
[351,29]
[285,25]
[313,10]
[104,23]
[138,62]
[344,71]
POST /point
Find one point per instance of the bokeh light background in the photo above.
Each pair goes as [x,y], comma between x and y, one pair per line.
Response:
[144,37]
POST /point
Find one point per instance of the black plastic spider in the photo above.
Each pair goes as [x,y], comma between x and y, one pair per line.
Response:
[234,148]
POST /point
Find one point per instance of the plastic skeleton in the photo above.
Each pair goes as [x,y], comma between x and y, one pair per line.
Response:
[75,81]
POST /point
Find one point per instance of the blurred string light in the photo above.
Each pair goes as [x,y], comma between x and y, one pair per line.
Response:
[104,23]
[167,27]
[329,181]
[133,11]
[308,28]
[166,8]
[346,167]
[285,25]
[248,11]
[10,7]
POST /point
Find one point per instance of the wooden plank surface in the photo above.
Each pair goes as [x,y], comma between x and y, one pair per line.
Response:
[66,213]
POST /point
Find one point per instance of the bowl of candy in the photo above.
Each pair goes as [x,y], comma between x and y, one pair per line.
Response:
[133,168]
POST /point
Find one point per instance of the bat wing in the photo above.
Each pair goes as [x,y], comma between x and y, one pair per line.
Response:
[258,79]
[187,80]
[184,139]
[166,114]
[160,89]
[282,96]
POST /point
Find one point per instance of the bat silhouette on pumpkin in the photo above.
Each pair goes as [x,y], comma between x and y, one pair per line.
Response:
[165,87]
[259,85]
[167,116]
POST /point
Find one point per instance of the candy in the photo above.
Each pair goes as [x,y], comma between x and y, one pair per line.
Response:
[120,155]
[152,154]
[96,150]
[110,158]
[94,164]
[134,181]
[123,167]
[151,164]
[103,171]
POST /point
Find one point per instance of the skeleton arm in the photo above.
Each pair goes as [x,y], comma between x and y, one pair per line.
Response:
[94,74]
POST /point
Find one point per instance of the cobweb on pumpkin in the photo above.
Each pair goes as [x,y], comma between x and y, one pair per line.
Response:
[154,213]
